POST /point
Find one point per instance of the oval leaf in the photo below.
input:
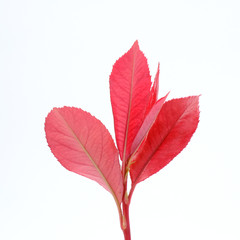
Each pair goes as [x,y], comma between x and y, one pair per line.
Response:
[83,145]
[169,135]
[130,84]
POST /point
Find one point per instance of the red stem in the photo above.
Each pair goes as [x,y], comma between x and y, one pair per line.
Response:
[125,209]
[126,222]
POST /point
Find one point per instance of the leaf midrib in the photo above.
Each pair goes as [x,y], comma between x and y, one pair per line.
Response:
[90,157]
[149,158]
[129,107]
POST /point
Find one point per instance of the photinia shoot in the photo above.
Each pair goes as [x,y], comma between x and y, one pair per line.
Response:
[149,132]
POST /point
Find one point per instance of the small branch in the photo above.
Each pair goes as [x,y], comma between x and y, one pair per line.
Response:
[126,229]
[131,192]
[125,209]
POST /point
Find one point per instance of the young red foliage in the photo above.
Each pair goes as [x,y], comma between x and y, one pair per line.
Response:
[130,84]
[172,130]
[83,145]
[149,132]
[147,124]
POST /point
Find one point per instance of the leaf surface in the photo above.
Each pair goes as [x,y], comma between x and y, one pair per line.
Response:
[130,84]
[169,135]
[147,124]
[83,145]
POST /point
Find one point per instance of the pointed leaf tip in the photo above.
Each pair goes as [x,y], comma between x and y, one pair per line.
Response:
[136,44]
[154,90]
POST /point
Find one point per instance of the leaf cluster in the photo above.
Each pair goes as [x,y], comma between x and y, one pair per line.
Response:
[149,132]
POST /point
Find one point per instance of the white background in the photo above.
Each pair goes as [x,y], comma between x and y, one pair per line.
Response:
[56,53]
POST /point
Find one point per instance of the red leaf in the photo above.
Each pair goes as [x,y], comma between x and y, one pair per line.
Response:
[130,83]
[154,90]
[147,124]
[83,145]
[169,135]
